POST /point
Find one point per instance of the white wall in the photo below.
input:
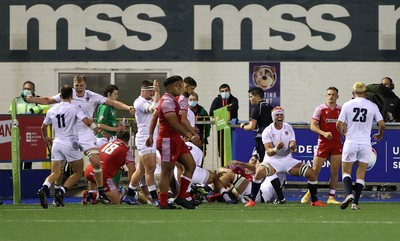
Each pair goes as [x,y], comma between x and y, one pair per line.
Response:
[303,84]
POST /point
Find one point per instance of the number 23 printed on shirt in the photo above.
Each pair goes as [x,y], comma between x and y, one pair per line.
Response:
[360,114]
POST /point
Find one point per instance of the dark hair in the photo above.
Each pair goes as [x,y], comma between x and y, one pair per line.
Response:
[29,82]
[195,95]
[257,91]
[147,83]
[66,91]
[171,80]
[391,85]
[190,81]
[333,88]
[123,135]
[109,89]
[224,86]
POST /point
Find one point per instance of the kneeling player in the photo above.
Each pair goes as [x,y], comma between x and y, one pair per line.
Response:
[113,156]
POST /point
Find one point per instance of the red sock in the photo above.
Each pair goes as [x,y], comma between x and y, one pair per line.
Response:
[163,199]
[185,182]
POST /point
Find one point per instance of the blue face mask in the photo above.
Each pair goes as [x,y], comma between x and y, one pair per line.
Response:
[25,93]
[192,103]
[225,95]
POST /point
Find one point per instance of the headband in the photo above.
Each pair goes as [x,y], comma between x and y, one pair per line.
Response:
[148,87]
[277,110]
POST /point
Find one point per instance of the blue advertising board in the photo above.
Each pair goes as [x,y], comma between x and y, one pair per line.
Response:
[385,170]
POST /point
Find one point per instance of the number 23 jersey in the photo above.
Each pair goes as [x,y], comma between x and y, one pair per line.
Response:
[359,114]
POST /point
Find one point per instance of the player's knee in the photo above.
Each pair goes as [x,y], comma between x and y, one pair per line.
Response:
[239,179]
[307,172]
[150,169]
[263,170]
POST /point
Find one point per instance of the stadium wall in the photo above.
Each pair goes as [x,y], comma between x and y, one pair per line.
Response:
[317,44]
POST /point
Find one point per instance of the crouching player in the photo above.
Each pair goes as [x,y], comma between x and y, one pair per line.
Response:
[113,156]
[280,143]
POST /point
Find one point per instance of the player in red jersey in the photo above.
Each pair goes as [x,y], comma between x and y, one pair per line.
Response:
[170,144]
[113,156]
[329,142]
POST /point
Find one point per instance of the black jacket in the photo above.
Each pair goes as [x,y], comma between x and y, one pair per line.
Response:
[232,102]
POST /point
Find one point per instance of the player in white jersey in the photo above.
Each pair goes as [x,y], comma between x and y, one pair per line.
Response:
[280,142]
[88,102]
[189,85]
[355,122]
[204,176]
[145,105]
[63,117]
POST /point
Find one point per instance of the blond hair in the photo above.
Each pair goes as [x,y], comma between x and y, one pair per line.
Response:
[359,87]
[79,78]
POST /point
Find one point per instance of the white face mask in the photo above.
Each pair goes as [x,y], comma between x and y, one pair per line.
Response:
[225,95]
[192,103]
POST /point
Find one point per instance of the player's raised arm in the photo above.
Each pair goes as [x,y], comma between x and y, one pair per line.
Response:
[42,100]
[121,106]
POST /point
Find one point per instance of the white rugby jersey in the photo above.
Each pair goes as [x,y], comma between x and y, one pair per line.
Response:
[143,118]
[87,103]
[191,117]
[285,135]
[183,104]
[359,114]
[63,117]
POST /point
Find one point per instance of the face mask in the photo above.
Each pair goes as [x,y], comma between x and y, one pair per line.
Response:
[25,93]
[193,103]
[225,95]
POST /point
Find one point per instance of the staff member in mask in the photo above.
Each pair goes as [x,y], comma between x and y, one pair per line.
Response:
[23,107]
[225,98]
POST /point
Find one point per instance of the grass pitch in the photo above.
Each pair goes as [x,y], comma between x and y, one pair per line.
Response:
[376,221]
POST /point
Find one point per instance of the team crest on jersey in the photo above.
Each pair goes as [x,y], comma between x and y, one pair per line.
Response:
[87,99]
[287,133]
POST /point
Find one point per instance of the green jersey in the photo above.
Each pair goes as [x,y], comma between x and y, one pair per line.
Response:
[106,115]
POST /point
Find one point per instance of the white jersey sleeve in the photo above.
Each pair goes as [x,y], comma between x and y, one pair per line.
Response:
[191,117]
[57,98]
[143,117]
